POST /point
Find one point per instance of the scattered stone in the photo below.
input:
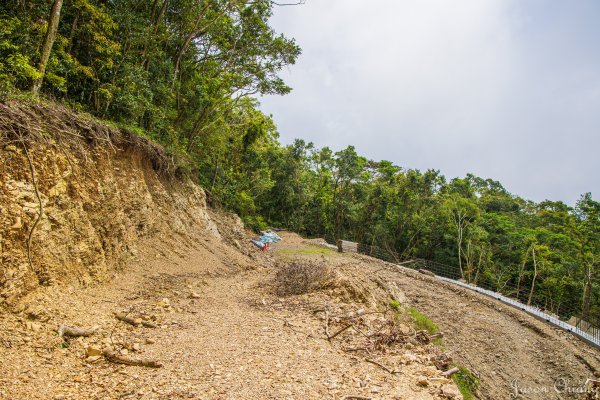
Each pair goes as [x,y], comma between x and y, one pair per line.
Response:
[92,351]
[33,326]
[450,392]
[150,341]
[165,303]
[422,381]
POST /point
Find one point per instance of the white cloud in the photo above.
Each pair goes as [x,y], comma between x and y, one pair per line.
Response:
[463,86]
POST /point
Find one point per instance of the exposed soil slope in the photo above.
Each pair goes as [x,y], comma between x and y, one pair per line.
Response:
[503,346]
[101,190]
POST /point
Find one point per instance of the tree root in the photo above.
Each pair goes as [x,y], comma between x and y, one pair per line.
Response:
[41,208]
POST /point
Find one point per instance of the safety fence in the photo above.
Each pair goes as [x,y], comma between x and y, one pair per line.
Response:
[501,287]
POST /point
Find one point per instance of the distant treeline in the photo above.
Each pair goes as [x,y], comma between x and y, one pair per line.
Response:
[184,73]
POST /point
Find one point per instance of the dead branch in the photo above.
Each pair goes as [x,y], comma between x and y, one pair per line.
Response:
[127,319]
[391,371]
[450,372]
[355,397]
[114,357]
[436,336]
[134,321]
[64,330]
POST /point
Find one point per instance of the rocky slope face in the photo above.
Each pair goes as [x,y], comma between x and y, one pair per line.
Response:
[86,194]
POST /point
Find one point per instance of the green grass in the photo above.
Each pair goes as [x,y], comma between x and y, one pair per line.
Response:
[309,250]
[422,322]
[467,383]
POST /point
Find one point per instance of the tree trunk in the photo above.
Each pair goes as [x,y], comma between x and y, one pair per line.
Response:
[73,29]
[48,43]
[521,273]
[535,271]
[587,293]
[459,239]
[161,13]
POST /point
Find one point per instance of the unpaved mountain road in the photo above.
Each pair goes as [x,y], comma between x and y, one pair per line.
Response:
[224,335]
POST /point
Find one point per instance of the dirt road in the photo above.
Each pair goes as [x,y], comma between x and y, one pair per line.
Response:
[223,334]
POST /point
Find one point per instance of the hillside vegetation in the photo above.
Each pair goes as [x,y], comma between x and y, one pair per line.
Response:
[184,73]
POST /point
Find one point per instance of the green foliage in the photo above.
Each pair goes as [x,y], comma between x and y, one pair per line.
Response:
[395,305]
[467,383]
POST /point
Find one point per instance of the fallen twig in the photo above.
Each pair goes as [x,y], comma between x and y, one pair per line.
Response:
[340,331]
[64,330]
[113,356]
[391,371]
[327,324]
[287,324]
[356,397]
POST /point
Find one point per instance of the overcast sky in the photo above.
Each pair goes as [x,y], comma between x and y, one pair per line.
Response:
[504,89]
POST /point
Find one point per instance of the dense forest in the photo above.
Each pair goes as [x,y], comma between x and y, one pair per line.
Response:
[186,73]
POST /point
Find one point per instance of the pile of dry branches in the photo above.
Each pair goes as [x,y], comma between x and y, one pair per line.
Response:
[301,276]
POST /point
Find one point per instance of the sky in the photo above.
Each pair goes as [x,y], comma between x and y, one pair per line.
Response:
[503,89]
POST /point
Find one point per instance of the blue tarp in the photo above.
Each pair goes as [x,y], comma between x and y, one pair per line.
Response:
[265,238]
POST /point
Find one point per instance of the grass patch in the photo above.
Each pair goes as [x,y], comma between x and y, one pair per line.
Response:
[422,322]
[467,383]
[309,250]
